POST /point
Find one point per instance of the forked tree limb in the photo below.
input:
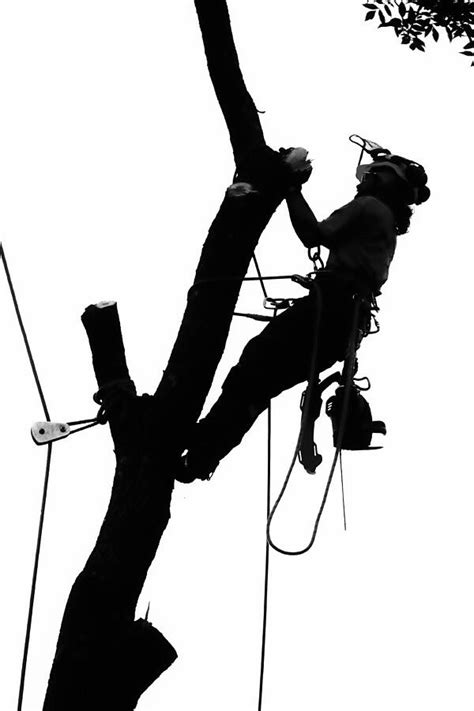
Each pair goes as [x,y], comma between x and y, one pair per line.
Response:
[105,659]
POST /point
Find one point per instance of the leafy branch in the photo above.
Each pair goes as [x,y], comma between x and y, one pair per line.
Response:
[413,21]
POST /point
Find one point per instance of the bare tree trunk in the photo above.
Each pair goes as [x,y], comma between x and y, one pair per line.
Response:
[104,658]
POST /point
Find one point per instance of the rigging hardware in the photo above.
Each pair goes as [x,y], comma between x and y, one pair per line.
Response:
[47,432]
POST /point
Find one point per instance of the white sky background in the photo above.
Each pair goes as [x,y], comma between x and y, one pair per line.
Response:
[114,158]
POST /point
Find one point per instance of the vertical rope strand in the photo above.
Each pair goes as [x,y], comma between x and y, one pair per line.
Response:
[267,561]
[262,283]
[34,579]
[23,333]
[267,548]
[343,494]
[45,485]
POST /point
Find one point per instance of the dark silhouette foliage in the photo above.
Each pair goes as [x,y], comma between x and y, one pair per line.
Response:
[413,21]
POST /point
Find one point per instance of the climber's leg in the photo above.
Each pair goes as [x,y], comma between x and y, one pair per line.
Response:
[275,360]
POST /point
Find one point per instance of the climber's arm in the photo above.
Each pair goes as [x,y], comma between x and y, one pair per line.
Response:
[341,225]
[303,219]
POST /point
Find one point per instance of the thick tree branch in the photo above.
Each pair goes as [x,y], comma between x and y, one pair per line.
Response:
[201,340]
[237,105]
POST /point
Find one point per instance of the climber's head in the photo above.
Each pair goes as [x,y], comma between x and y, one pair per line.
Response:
[396,181]
[395,174]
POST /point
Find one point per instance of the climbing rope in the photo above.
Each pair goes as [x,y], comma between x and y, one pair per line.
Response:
[267,561]
[347,378]
[343,493]
[259,273]
[45,484]
[268,504]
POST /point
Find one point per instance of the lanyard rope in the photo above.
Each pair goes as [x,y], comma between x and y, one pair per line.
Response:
[262,283]
[45,485]
[347,377]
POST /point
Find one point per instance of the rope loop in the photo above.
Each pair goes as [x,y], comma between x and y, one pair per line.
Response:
[110,395]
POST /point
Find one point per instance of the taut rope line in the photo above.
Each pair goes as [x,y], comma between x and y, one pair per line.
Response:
[45,484]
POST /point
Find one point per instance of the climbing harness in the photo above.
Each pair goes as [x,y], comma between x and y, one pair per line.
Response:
[348,410]
[351,414]
[303,432]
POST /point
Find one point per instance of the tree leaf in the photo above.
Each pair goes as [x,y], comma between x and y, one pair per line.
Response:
[468,54]
[469,45]
[435,34]
[370,15]
[402,9]
[370,6]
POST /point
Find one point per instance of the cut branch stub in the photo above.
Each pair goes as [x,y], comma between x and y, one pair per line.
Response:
[102,325]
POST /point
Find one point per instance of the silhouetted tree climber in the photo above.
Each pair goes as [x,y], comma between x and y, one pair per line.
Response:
[361,237]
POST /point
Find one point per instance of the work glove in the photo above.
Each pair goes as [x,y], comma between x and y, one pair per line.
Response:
[297,167]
